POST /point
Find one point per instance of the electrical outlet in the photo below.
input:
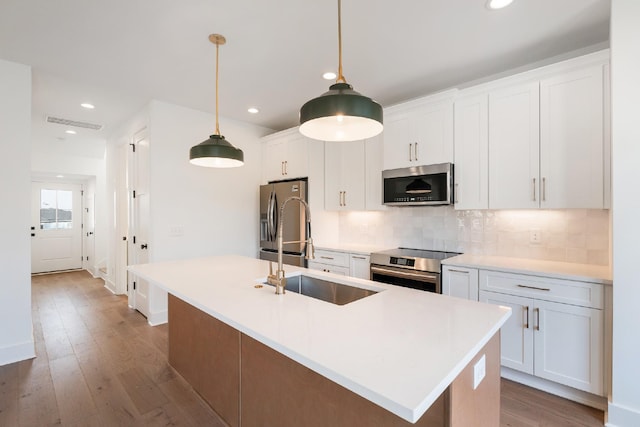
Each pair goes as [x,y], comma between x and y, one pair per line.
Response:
[176,231]
[479,371]
[535,236]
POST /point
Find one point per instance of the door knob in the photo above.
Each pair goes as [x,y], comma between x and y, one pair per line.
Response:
[143,246]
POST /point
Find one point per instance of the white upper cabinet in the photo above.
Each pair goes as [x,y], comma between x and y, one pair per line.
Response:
[572,139]
[285,156]
[535,140]
[344,176]
[373,170]
[471,151]
[514,147]
[419,132]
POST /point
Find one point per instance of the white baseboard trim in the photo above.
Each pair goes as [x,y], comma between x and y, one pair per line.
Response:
[595,401]
[622,416]
[111,287]
[158,318]
[17,352]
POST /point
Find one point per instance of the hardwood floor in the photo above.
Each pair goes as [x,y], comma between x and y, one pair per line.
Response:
[100,364]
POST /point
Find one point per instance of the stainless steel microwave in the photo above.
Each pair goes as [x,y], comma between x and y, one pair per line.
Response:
[418,185]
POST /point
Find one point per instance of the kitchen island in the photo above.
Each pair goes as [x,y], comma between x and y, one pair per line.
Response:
[396,357]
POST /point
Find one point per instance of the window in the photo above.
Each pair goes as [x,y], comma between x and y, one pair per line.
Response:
[56,210]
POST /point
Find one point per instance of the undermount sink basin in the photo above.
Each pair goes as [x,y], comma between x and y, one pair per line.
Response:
[335,293]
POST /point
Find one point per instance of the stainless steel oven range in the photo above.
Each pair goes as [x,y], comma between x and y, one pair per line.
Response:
[411,268]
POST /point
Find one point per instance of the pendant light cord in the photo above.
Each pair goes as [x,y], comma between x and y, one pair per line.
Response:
[217,124]
[340,76]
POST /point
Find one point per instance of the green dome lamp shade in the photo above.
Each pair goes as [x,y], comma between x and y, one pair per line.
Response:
[216,152]
[341,113]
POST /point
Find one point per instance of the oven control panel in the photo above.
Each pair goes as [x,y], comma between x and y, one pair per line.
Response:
[404,262]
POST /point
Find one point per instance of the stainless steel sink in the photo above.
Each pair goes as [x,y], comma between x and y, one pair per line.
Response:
[335,293]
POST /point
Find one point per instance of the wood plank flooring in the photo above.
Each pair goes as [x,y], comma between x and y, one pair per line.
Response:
[100,364]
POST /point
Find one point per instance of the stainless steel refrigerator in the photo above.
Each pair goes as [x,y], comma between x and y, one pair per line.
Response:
[271,198]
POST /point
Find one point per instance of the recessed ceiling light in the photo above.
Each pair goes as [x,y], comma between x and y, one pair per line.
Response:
[498,4]
[87,106]
[253,110]
[329,75]
[59,176]
[72,132]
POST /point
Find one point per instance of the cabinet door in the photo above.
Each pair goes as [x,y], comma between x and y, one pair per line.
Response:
[360,266]
[296,160]
[431,130]
[514,141]
[273,160]
[471,153]
[344,175]
[516,334]
[373,171]
[398,149]
[568,345]
[460,282]
[571,140]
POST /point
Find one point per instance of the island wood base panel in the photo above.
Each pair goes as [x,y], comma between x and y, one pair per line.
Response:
[250,384]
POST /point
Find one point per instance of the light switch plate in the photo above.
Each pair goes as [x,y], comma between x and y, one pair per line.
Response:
[479,371]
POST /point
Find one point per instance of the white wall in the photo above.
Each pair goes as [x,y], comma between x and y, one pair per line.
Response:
[215,209]
[624,405]
[16,334]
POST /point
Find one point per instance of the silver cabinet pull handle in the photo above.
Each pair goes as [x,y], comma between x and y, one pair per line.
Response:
[533,287]
[534,189]
[544,189]
[455,198]
[326,257]
[536,312]
[281,168]
[526,317]
[286,167]
[358,257]
[458,271]
[344,198]
[415,151]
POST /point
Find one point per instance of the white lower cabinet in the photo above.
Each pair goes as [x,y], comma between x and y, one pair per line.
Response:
[557,341]
[460,282]
[330,261]
[359,266]
[338,262]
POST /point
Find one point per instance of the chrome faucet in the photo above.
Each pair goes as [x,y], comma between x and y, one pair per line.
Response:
[278,280]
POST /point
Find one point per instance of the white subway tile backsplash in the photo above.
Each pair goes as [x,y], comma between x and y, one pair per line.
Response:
[570,235]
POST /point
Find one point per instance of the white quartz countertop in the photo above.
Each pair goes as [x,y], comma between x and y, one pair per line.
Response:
[399,348]
[560,270]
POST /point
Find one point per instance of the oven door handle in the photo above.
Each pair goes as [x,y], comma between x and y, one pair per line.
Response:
[404,274]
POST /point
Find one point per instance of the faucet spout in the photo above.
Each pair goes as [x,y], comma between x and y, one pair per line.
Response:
[278,279]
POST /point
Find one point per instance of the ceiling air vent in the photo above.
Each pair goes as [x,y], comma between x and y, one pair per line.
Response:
[67,122]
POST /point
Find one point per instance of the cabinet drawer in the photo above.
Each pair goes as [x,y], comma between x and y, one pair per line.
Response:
[543,288]
[339,259]
[329,268]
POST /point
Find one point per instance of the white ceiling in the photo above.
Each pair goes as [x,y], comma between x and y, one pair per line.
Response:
[119,54]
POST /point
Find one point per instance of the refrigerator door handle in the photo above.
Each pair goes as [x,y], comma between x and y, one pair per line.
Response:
[273,216]
[270,217]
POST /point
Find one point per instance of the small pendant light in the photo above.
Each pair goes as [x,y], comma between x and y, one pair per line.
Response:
[341,114]
[216,152]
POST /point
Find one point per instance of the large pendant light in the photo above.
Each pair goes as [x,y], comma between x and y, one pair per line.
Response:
[216,152]
[341,114]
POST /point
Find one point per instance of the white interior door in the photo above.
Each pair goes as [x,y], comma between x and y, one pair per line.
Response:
[88,230]
[56,227]
[139,220]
